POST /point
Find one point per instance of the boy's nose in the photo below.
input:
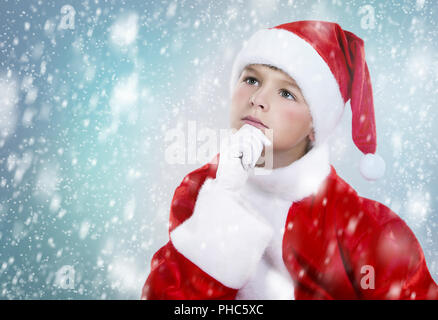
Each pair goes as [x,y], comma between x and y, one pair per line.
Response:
[258,99]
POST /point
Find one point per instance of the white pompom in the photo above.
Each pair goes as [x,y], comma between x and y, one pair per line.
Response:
[372,166]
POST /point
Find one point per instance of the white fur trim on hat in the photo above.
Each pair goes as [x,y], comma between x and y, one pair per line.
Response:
[295,56]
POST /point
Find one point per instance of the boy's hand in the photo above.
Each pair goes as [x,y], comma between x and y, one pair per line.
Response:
[240,155]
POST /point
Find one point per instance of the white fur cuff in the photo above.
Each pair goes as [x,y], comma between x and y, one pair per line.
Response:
[223,236]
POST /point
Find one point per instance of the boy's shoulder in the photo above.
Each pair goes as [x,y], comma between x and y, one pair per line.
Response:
[371,234]
[356,212]
[347,198]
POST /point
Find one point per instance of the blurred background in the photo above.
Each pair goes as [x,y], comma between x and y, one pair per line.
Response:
[90,89]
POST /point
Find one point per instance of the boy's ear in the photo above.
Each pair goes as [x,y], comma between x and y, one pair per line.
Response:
[312,135]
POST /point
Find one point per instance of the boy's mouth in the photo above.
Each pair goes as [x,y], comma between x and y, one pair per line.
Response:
[254,122]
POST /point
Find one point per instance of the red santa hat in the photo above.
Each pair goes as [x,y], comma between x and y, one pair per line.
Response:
[328,63]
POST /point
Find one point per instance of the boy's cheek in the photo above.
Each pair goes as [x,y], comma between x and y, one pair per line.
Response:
[292,117]
[241,94]
[238,109]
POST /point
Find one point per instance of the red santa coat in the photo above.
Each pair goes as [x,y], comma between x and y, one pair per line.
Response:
[333,244]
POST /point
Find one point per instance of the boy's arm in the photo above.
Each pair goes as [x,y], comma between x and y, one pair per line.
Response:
[386,260]
[213,252]
[174,277]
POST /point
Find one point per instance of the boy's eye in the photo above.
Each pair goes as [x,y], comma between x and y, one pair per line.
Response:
[286,94]
[250,79]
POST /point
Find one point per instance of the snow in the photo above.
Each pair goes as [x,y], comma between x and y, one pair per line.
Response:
[129,209]
[418,206]
[124,31]
[47,180]
[8,102]
[83,231]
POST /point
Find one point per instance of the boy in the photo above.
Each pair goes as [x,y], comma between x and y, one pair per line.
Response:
[298,231]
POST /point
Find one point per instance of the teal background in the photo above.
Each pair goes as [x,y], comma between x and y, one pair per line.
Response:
[84,116]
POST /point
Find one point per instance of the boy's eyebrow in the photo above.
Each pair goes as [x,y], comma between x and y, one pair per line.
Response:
[291,83]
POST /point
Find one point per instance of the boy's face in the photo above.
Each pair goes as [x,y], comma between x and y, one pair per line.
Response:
[273,97]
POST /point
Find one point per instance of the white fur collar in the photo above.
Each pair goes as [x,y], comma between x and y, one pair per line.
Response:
[297,180]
